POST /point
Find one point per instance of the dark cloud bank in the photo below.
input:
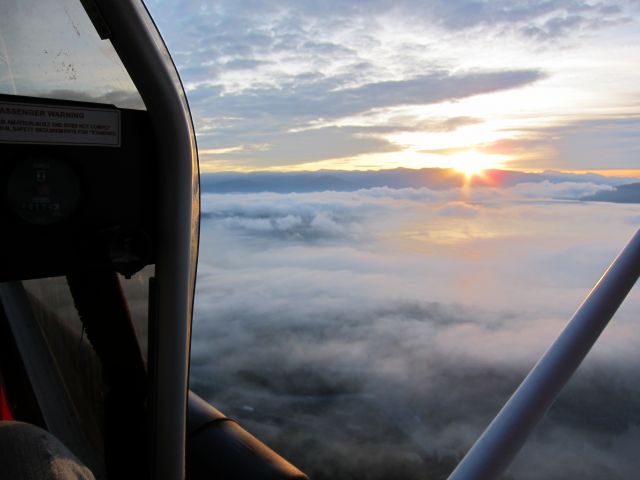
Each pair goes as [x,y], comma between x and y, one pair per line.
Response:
[298,337]
[369,392]
[270,115]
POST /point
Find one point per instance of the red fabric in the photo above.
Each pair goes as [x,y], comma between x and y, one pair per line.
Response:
[5,409]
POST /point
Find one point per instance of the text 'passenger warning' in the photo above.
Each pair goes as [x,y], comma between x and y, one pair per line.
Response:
[58,125]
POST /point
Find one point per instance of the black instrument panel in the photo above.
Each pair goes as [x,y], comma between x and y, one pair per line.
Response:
[75,196]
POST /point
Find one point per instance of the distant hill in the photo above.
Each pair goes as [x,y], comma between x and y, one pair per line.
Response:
[270,182]
[345,181]
[629,193]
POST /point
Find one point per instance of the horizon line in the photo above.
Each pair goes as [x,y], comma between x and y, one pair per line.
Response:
[612,172]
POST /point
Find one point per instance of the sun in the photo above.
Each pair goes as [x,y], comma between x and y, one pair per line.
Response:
[470,169]
[471,164]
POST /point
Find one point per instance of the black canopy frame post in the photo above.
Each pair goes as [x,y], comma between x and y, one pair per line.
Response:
[129,27]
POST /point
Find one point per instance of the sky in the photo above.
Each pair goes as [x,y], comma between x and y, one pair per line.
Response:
[381,84]
[374,333]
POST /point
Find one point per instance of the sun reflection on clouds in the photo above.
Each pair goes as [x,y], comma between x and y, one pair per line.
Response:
[458,224]
[446,234]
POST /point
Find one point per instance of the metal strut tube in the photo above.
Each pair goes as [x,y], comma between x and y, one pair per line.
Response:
[498,445]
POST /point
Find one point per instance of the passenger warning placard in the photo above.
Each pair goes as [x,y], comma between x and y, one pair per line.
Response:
[58,125]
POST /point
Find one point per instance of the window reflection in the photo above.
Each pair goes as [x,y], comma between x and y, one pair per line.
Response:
[67,63]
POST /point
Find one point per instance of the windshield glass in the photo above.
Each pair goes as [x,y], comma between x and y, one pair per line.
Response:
[403,204]
[55,157]
[49,48]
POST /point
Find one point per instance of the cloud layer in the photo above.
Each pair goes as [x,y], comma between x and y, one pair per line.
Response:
[374,333]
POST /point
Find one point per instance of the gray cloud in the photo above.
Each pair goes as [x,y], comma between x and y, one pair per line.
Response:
[119,98]
[324,98]
[611,143]
[308,225]
[375,390]
[459,209]
[562,190]
[243,64]
[589,141]
[266,144]
[280,210]
[265,115]
[260,22]
[306,146]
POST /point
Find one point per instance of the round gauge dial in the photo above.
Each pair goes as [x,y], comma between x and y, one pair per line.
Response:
[43,190]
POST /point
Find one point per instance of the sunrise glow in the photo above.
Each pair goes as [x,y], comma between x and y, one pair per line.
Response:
[472,163]
[554,99]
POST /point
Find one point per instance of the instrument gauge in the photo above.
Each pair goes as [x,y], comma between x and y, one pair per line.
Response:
[43,190]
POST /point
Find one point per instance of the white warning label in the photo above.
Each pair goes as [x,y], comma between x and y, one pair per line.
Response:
[48,124]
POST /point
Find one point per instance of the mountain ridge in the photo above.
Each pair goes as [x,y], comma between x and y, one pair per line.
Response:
[344,181]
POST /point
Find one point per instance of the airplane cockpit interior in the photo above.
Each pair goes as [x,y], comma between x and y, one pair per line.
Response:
[100,215]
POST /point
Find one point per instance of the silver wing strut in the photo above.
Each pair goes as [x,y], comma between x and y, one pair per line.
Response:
[498,445]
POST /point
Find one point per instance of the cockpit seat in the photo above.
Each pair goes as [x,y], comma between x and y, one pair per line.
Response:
[28,452]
